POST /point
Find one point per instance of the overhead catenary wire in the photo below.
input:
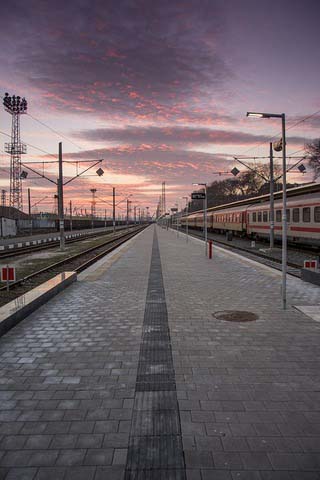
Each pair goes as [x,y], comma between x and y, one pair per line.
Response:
[289,127]
[30,145]
[59,134]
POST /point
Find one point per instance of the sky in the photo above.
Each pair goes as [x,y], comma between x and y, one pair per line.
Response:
[158,89]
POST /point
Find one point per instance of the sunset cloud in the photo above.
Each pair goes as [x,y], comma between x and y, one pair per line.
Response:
[175,135]
[138,59]
[160,88]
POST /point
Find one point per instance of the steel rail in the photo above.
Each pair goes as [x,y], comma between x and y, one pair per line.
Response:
[46,245]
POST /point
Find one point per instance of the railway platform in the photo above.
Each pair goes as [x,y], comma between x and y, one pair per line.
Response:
[6,244]
[136,372]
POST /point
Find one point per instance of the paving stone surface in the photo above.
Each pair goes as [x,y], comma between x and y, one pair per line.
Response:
[68,374]
[249,393]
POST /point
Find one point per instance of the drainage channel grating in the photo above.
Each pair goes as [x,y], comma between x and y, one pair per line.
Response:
[155,445]
[235,316]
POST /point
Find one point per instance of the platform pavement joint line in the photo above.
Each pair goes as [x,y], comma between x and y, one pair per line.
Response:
[155,444]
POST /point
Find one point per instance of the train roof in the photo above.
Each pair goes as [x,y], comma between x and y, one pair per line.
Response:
[291,192]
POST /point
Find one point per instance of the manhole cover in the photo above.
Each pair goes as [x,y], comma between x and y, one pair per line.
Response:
[235,316]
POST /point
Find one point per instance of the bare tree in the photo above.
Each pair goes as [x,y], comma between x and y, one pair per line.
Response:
[313,151]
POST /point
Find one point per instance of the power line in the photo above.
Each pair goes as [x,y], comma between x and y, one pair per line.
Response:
[52,130]
[59,134]
[279,133]
[30,145]
[304,119]
[74,162]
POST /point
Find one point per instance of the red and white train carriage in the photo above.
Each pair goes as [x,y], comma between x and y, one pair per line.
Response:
[251,217]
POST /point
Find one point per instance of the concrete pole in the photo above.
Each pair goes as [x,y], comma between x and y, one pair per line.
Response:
[205,220]
[29,209]
[284,214]
[70,215]
[177,219]
[60,200]
[187,224]
[127,212]
[114,208]
[29,202]
[271,198]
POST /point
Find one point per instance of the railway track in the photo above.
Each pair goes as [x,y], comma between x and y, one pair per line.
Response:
[14,252]
[293,269]
[77,263]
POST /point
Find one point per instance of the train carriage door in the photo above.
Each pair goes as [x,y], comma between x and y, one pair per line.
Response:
[244,218]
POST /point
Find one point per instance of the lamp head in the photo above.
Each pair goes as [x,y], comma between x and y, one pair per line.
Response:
[265,115]
[255,114]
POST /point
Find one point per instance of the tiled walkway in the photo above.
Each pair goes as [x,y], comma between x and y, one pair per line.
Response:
[248,393]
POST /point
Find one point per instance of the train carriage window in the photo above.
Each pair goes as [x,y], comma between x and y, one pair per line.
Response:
[317,214]
[265,216]
[254,217]
[306,214]
[288,215]
[259,216]
[296,215]
[278,215]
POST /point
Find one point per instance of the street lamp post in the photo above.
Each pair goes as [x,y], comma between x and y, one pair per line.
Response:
[205,207]
[284,198]
[271,198]
[60,199]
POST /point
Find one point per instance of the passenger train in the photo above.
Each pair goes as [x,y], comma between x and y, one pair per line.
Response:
[251,217]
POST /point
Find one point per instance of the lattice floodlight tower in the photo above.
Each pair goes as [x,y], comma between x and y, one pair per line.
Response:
[16,106]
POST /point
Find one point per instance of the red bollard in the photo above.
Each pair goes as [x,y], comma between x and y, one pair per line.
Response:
[210,248]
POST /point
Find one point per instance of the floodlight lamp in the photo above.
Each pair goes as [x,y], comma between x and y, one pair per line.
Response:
[255,114]
[100,172]
[235,171]
[23,175]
